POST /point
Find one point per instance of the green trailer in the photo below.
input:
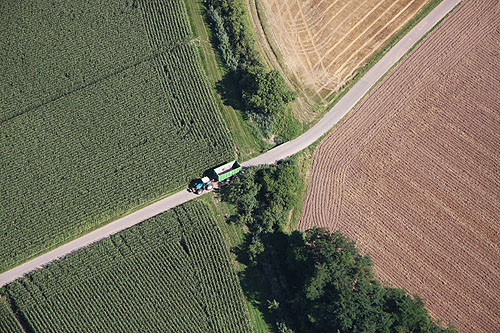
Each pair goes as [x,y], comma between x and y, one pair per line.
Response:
[227,170]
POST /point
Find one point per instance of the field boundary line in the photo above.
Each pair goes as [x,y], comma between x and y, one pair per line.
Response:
[329,120]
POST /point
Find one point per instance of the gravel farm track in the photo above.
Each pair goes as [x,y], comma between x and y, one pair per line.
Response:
[413,173]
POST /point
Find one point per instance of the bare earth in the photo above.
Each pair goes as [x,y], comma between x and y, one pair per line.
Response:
[413,174]
[323,42]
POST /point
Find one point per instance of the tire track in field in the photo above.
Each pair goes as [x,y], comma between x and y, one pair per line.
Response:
[364,50]
[351,29]
[333,79]
[311,34]
[338,13]
[316,11]
[321,43]
[359,23]
[335,61]
[338,36]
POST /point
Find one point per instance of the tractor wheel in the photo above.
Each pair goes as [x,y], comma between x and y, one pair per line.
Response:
[199,191]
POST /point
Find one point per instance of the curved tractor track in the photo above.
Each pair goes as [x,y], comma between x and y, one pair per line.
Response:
[413,174]
[278,153]
[323,42]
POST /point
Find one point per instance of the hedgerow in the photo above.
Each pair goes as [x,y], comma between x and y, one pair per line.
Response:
[263,92]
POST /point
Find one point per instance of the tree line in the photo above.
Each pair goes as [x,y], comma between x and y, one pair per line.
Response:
[318,280]
[263,92]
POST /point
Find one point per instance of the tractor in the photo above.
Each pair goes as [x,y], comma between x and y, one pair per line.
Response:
[220,175]
[204,184]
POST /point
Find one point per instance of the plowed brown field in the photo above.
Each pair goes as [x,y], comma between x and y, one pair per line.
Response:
[413,174]
[323,42]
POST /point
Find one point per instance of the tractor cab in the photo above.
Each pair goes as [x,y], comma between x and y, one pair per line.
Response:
[204,184]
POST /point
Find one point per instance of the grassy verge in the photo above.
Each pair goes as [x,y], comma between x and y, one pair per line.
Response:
[304,163]
[253,285]
[247,144]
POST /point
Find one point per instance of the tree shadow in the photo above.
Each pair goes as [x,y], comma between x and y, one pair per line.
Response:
[229,90]
[255,285]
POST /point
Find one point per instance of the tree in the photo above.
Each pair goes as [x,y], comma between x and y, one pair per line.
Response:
[339,292]
[243,193]
[265,92]
[320,280]
[223,40]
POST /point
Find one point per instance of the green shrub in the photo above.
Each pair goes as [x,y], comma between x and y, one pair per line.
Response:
[264,93]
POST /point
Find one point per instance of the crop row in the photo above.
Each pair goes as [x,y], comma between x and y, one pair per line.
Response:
[166,22]
[215,284]
[52,49]
[8,322]
[94,154]
[142,279]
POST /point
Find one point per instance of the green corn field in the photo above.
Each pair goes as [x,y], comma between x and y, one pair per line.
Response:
[105,106]
[171,273]
[8,322]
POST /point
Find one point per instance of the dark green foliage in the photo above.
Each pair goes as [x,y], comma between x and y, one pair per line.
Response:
[287,127]
[408,312]
[335,290]
[264,196]
[171,273]
[126,139]
[223,40]
[318,280]
[264,93]
[338,293]
[280,185]
[243,192]
[233,13]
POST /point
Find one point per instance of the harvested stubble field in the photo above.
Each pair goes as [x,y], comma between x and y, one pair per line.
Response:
[105,106]
[413,174]
[171,273]
[323,42]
